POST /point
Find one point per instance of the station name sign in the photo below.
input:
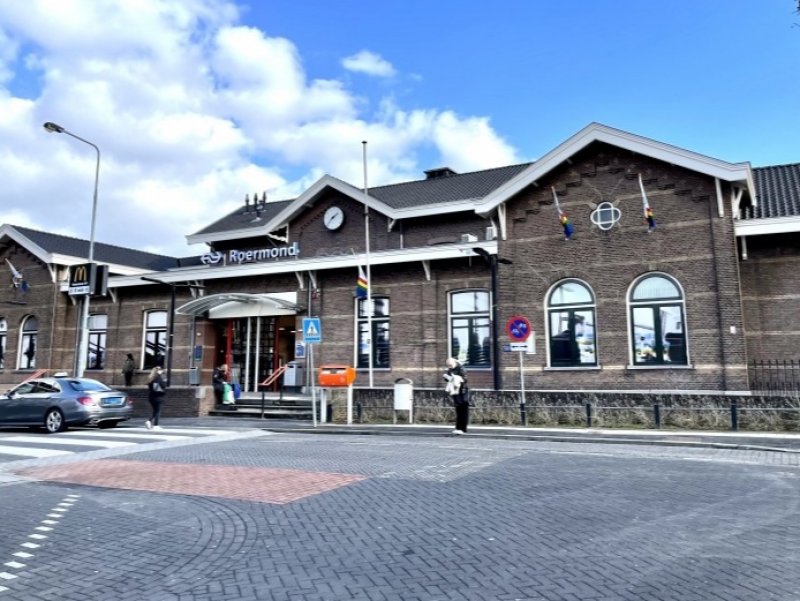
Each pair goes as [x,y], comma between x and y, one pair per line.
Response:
[253,255]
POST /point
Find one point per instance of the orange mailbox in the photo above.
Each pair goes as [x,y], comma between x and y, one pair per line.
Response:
[336,375]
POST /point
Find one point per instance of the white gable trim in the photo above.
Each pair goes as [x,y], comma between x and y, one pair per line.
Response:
[595,132]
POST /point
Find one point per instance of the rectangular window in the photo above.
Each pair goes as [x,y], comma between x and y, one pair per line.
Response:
[98,326]
[658,335]
[572,338]
[381,330]
[155,339]
[3,333]
[470,328]
[27,343]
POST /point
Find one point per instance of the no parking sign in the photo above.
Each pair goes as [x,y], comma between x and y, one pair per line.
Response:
[519,328]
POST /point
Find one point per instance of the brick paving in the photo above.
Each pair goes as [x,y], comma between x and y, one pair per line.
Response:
[426,520]
[263,485]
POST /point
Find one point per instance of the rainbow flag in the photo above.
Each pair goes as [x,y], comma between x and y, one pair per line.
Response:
[563,219]
[362,285]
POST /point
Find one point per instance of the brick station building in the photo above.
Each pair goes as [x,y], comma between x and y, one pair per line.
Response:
[454,262]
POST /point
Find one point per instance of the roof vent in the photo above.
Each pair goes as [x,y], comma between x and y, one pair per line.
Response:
[439,172]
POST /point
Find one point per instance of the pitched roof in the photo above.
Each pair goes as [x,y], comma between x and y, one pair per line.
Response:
[406,195]
[105,253]
[777,190]
[241,220]
[449,188]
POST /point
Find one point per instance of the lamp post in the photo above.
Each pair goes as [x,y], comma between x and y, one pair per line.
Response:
[83,341]
[493,260]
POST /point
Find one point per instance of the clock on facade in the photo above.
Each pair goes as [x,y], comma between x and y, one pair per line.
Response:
[334,218]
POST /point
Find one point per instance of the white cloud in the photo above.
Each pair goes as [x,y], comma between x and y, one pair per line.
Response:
[191,110]
[369,63]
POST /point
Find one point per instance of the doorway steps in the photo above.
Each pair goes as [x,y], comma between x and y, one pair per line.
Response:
[288,405]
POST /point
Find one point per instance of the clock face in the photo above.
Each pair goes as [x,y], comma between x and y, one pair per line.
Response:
[334,218]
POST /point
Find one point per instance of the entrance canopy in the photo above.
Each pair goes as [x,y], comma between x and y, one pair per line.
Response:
[240,304]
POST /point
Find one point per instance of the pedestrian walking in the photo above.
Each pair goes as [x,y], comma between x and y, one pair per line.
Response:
[157,390]
[128,368]
[459,393]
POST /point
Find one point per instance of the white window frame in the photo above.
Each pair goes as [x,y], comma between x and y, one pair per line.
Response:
[24,337]
[590,306]
[630,304]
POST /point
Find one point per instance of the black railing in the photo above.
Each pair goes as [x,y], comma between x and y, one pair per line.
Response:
[775,377]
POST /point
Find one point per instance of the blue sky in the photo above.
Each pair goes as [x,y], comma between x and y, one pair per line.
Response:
[195,103]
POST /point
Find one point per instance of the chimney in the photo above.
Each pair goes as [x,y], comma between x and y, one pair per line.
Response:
[439,172]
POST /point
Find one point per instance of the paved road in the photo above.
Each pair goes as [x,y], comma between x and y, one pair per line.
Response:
[309,517]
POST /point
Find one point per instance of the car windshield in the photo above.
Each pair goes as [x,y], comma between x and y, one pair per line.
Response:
[86,385]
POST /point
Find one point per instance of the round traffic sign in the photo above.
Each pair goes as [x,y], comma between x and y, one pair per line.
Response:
[519,328]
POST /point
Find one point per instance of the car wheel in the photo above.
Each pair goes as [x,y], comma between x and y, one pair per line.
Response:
[107,424]
[54,421]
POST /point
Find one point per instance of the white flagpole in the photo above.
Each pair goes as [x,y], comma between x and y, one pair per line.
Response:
[645,201]
[555,198]
[369,273]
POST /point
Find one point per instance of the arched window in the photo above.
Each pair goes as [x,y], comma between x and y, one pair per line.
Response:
[571,325]
[3,338]
[27,343]
[155,339]
[470,328]
[380,333]
[657,317]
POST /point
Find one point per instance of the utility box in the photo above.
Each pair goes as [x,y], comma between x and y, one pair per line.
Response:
[333,376]
[404,398]
[294,374]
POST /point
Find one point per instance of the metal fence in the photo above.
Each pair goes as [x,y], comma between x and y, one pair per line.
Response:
[775,377]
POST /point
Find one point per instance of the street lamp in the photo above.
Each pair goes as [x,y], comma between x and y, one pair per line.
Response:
[83,341]
[493,260]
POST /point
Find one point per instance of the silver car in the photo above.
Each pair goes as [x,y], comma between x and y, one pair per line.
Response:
[58,402]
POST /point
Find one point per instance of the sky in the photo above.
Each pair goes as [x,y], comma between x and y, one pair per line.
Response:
[194,104]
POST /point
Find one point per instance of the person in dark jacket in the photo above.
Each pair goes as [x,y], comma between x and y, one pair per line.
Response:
[457,389]
[156,393]
[218,380]
[128,368]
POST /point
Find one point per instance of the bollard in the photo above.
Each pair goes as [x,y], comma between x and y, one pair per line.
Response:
[263,395]
[523,415]
[657,416]
[588,415]
[329,412]
[359,413]
[734,416]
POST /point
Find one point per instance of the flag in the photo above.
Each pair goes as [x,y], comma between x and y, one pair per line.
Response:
[362,285]
[563,219]
[648,211]
[17,280]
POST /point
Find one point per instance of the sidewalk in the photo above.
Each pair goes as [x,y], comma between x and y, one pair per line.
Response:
[767,441]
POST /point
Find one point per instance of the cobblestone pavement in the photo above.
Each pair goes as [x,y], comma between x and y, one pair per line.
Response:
[405,518]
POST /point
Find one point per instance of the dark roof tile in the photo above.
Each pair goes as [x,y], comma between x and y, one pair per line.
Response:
[104,253]
[777,192]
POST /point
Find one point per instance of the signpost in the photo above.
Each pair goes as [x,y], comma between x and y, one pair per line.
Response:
[312,333]
[519,330]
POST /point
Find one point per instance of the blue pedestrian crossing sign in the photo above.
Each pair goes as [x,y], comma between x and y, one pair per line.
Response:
[312,330]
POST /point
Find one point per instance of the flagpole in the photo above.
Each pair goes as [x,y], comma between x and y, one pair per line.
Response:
[369,273]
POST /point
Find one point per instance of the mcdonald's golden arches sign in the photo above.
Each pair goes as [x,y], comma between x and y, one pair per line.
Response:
[80,279]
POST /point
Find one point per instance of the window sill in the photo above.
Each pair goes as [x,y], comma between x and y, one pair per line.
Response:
[658,366]
[575,368]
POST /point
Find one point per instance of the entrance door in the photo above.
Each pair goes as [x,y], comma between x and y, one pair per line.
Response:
[254,347]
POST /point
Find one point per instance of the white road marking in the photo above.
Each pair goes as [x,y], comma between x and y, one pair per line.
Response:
[23,555]
[108,444]
[31,452]
[15,564]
